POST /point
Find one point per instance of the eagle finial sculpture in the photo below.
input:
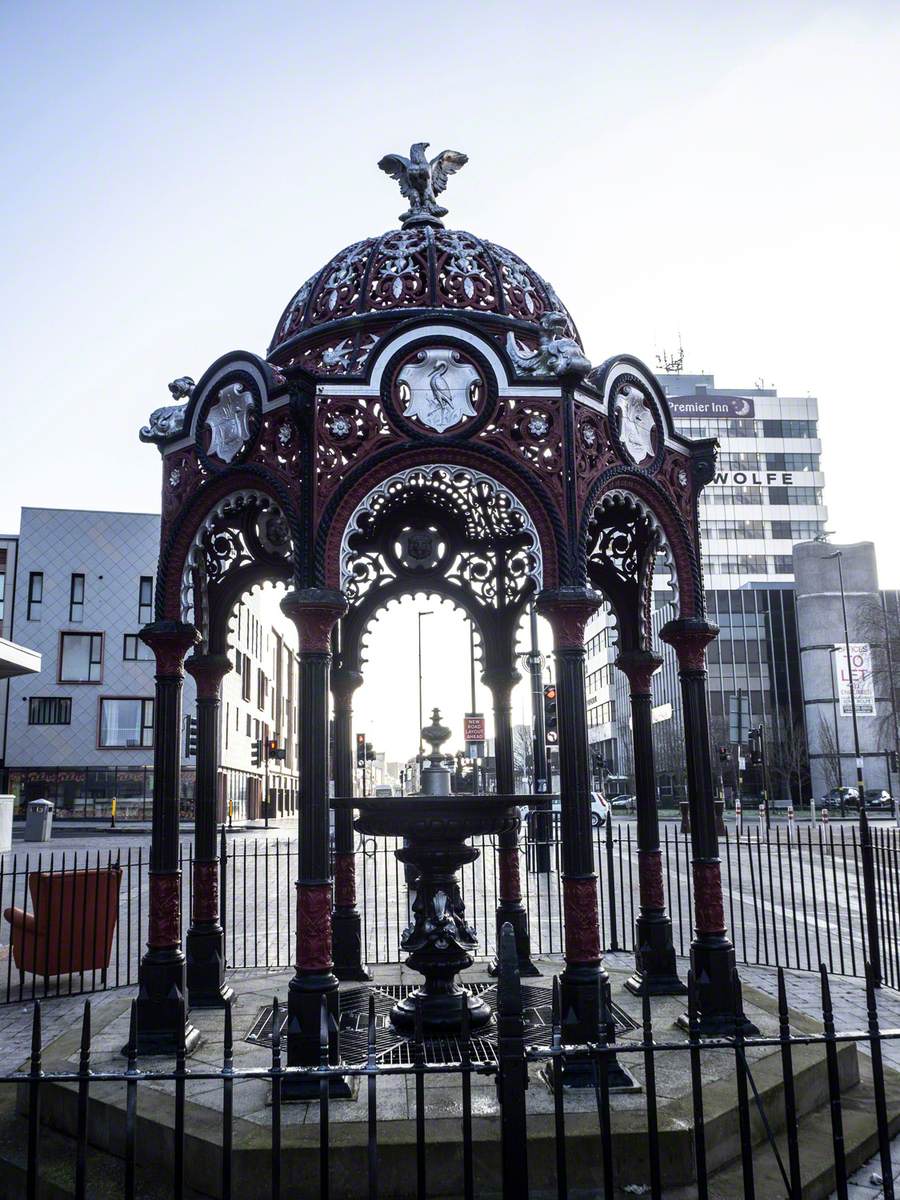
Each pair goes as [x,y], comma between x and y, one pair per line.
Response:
[422,181]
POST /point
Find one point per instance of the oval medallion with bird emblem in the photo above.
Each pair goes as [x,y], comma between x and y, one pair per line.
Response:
[439,389]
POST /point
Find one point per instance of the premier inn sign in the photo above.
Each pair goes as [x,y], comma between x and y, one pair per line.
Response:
[765,478]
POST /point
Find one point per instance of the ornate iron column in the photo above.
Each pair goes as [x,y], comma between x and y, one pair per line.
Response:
[346,924]
[501,682]
[314,611]
[712,954]
[162,972]
[654,953]
[204,944]
[584,981]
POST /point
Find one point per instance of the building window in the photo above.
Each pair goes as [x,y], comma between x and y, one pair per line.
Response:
[781,530]
[2,590]
[35,595]
[145,600]
[76,599]
[789,429]
[125,722]
[261,683]
[134,650]
[49,710]
[783,564]
[792,462]
[245,678]
[80,657]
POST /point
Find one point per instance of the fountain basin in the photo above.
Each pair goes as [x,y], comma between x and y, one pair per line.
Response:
[439,941]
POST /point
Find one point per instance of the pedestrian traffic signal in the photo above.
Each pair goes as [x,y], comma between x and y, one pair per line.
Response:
[190,737]
[723,754]
[256,753]
[360,750]
[551,718]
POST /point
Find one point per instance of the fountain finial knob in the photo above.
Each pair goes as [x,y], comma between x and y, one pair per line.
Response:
[435,734]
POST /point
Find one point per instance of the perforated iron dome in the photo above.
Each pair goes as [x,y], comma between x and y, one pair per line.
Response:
[419,268]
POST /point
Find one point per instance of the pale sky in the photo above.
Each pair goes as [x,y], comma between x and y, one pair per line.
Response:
[173,172]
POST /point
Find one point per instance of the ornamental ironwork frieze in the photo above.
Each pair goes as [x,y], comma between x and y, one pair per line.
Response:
[442,525]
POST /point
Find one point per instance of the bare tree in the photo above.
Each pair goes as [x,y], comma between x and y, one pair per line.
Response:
[831,758]
[879,625]
[523,754]
[787,757]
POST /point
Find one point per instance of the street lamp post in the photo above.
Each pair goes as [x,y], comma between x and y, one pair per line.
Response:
[865,840]
[429,612]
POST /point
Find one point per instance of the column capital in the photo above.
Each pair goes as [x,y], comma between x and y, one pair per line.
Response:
[690,637]
[568,610]
[344,683]
[170,642]
[208,671]
[639,666]
[315,612]
[500,681]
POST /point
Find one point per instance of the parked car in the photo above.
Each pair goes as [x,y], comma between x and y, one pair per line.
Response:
[600,810]
[848,795]
[879,800]
[626,800]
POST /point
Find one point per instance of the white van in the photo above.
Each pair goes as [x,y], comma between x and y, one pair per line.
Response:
[383,789]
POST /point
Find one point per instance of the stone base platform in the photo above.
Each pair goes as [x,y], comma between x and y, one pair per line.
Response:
[443,1110]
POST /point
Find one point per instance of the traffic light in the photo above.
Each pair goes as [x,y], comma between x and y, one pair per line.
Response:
[360,750]
[551,719]
[894,761]
[723,754]
[755,737]
[190,737]
[256,753]
[273,751]
[370,752]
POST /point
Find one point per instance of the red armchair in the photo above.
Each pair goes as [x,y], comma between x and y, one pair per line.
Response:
[72,924]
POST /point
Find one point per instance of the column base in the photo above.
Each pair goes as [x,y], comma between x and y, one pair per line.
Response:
[720,1013]
[655,972]
[515,914]
[346,946]
[584,1004]
[205,969]
[161,1006]
[304,1005]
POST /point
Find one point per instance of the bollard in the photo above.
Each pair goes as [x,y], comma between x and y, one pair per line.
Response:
[685,816]
[112,813]
[762,816]
[790,824]
[719,809]
[737,816]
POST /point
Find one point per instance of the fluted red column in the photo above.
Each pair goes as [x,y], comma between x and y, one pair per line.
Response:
[501,682]
[654,952]
[712,954]
[314,611]
[161,980]
[204,944]
[584,982]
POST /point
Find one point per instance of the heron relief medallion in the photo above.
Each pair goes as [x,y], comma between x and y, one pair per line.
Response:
[439,389]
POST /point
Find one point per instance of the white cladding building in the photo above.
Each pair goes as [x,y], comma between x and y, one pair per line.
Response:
[77,587]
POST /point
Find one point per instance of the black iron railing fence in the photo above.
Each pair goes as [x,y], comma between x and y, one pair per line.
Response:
[793,899]
[781,1135]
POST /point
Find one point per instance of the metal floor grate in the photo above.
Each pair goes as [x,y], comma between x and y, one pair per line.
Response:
[393,1048]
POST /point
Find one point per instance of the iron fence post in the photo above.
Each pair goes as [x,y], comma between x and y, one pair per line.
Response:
[512,1068]
[611,885]
[868,865]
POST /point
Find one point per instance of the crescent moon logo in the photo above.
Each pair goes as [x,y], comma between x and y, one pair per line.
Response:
[743,410]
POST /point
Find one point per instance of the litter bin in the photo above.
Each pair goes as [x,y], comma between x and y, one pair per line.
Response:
[39,821]
[6,816]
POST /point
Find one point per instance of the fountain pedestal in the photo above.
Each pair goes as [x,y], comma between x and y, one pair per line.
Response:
[440,941]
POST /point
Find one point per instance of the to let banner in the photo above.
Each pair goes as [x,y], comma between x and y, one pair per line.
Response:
[855,675]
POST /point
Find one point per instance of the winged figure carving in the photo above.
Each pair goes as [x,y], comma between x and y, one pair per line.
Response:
[422,181]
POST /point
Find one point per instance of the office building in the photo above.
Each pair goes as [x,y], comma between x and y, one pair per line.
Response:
[78,587]
[766,496]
